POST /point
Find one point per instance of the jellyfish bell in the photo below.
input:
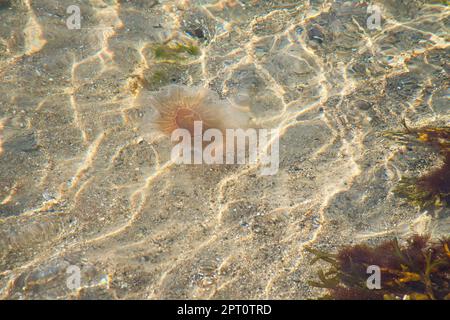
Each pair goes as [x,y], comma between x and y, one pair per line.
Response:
[205,129]
[180,107]
[190,115]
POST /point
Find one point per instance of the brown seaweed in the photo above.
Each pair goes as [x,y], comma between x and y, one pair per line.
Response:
[433,187]
[420,270]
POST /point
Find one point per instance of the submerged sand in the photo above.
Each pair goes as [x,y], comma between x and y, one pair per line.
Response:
[80,186]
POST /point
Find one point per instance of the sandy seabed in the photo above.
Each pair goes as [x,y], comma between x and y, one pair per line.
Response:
[81,186]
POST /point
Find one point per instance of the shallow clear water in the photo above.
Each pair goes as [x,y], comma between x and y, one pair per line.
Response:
[80,185]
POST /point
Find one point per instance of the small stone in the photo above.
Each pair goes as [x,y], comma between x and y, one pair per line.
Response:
[362,105]
[316,34]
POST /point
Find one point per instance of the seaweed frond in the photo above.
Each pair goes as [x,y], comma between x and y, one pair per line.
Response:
[417,271]
[436,137]
[175,52]
[432,188]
